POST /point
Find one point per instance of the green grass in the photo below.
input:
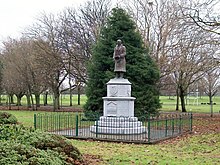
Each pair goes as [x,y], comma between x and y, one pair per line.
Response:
[168,103]
[64,100]
[192,105]
[24,117]
[203,149]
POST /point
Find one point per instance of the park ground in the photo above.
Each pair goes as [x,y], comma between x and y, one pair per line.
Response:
[202,146]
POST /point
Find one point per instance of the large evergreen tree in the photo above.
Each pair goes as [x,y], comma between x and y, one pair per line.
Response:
[142,71]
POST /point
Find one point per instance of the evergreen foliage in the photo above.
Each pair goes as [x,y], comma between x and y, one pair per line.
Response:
[1,70]
[19,145]
[7,118]
[142,71]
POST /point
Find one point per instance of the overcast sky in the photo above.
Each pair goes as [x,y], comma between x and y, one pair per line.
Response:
[15,15]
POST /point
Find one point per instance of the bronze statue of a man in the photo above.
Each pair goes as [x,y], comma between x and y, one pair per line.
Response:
[119,58]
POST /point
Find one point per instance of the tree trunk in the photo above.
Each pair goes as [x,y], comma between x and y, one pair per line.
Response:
[45,98]
[71,93]
[32,102]
[18,100]
[37,99]
[211,105]
[28,101]
[182,99]
[71,97]
[11,98]
[78,92]
[177,99]
[9,102]
[56,101]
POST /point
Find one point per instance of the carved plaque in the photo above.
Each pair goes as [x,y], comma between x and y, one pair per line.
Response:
[113,90]
[111,108]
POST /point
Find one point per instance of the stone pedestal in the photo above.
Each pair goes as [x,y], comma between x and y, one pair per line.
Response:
[118,110]
[118,101]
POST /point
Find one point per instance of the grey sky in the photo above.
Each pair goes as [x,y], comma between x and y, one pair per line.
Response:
[15,15]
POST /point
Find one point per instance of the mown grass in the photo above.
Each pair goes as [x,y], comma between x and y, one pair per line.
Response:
[193,104]
[64,100]
[168,105]
[25,118]
[203,149]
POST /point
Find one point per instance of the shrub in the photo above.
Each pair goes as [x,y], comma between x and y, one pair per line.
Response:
[45,141]
[7,118]
[19,145]
[15,153]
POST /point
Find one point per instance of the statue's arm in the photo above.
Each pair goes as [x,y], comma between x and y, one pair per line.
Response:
[114,54]
[124,52]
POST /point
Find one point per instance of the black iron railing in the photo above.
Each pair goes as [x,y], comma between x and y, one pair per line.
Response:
[153,128]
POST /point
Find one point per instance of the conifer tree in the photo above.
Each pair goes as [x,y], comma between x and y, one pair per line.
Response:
[142,71]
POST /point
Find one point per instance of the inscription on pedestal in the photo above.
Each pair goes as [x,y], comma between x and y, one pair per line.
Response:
[111,108]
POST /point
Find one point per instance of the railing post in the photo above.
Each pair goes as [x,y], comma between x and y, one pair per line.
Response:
[35,121]
[148,128]
[96,128]
[180,123]
[172,126]
[191,121]
[59,122]
[77,125]
[166,127]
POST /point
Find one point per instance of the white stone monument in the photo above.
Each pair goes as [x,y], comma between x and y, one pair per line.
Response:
[118,111]
[118,105]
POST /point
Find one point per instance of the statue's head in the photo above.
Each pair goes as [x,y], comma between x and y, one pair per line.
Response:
[119,42]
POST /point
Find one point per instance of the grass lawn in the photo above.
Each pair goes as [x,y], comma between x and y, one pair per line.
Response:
[168,105]
[64,100]
[24,117]
[203,149]
[193,104]
[198,149]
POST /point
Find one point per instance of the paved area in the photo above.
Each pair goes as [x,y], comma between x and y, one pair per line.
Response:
[86,133]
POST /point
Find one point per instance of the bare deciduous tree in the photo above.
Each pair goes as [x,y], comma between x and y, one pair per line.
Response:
[211,85]
[78,31]
[206,15]
[179,47]
[21,71]
[193,55]
[50,60]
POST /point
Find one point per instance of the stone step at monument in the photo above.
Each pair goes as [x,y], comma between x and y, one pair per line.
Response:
[118,131]
[117,119]
[119,124]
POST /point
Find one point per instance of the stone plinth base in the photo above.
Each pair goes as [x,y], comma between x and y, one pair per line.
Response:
[118,125]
